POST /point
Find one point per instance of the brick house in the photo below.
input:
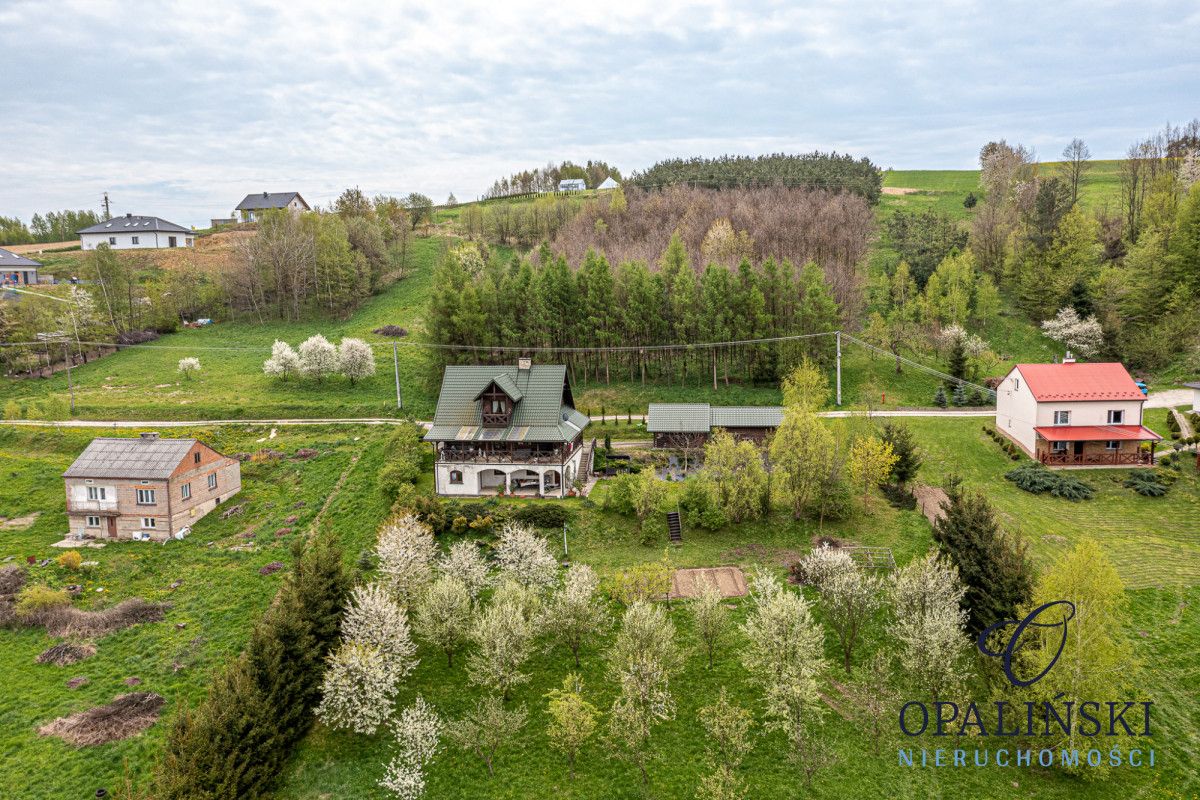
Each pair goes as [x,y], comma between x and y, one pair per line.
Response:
[1073,414]
[146,488]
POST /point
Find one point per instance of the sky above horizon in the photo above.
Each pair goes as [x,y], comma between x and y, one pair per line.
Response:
[181,109]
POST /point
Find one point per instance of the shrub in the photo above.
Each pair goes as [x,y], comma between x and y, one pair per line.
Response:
[619,497]
[543,515]
[36,598]
[1147,484]
[1173,425]
[700,502]
[70,559]
[1036,479]
[898,496]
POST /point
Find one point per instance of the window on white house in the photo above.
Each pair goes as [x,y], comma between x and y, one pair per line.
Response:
[171,241]
[112,240]
[149,522]
[188,241]
[135,240]
[93,522]
[1116,417]
[1062,417]
[145,497]
[212,481]
[1058,447]
[186,490]
[95,493]
[1112,444]
[455,476]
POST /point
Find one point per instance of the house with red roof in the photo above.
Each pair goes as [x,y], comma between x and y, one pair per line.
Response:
[1073,414]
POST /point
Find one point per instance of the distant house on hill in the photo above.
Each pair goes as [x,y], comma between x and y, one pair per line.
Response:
[255,204]
[572,185]
[1073,414]
[510,430]
[134,232]
[675,425]
[609,183]
[17,270]
[146,488]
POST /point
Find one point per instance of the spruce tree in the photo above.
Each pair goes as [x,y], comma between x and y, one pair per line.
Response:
[904,447]
[993,566]
[939,397]
[959,396]
[958,358]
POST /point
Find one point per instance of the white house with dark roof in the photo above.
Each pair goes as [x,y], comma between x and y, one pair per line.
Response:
[16,269]
[255,204]
[508,429]
[146,487]
[572,185]
[1075,414]
[136,232]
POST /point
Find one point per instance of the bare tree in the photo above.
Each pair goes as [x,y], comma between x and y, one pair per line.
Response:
[1075,165]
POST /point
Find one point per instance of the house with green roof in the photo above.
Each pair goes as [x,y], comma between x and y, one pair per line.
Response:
[684,425]
[510,429]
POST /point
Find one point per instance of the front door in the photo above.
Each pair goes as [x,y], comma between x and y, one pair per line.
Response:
[112,527]
[1078,451]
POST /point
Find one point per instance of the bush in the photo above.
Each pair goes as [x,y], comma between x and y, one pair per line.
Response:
[406,458]
[1036,479]
[619,497]
[36,598]
[70,559]
[699,501]
[1173,425]
[898,496]
[543,515]
[1147,484]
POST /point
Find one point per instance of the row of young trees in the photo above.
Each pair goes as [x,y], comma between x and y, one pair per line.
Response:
[53,226]
[485,302]
[545,179]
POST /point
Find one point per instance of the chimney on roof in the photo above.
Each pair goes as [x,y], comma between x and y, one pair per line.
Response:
[266,194]
[524,363]
[1068,358]
[149,436]
[129,215]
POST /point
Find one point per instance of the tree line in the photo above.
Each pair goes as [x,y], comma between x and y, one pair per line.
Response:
[546,179]
[486,302]
[54,226]
[816,170]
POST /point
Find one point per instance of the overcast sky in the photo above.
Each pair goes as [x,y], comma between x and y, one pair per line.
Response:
[179,110]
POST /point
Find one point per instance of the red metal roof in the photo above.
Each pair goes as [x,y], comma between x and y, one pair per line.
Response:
[1096,433]
[1076,381]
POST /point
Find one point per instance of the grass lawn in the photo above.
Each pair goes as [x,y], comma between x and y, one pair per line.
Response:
[221,595]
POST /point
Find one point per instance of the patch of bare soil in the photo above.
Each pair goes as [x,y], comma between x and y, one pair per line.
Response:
[64,653]
[127,715]
[899,190]
[690,582]
[12,578]
[759,552]
[88,624]
[929,500]
[20,523]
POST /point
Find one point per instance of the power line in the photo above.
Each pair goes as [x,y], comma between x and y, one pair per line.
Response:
[918,366]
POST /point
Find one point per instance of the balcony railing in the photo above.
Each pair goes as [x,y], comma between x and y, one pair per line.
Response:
[92,506]
[1095,459]
[460,456]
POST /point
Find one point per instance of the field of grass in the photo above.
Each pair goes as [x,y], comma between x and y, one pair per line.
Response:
[212,611]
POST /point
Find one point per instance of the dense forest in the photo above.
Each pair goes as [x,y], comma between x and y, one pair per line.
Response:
[814,170]
[484,303]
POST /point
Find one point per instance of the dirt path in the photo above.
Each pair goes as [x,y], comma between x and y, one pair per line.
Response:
[929,501]
[337,488]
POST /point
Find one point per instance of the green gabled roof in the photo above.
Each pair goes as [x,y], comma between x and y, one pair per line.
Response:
[544,410]
[701,417]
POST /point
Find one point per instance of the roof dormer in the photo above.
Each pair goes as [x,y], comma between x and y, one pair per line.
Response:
[497,401]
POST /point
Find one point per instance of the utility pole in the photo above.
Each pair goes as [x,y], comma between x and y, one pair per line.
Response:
[68,356]
[107,210]
[396,370]
[839,367]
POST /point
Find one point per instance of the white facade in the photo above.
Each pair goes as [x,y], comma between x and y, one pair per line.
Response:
[472,479]
[1018,412]
[129,238]
[295,206]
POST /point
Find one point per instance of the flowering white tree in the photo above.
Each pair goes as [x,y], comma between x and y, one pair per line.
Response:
[574,613]
[318,358]
[374,619]
[356,359]
[358,690]
[1083,336]
[644,701]
[929,623]
[849,595]
[712,618]
[785,643]
[189,365]
[646,634]
[406,552]
[418,732]
[503,637]
[283,362]
[972,344]
[465,562]
[443,615]
[525,557]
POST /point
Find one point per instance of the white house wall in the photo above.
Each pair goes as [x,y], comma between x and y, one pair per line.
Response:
[1016,410]
[147,239]
[472,471]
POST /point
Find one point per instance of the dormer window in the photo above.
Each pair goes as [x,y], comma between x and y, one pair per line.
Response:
[497,401]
